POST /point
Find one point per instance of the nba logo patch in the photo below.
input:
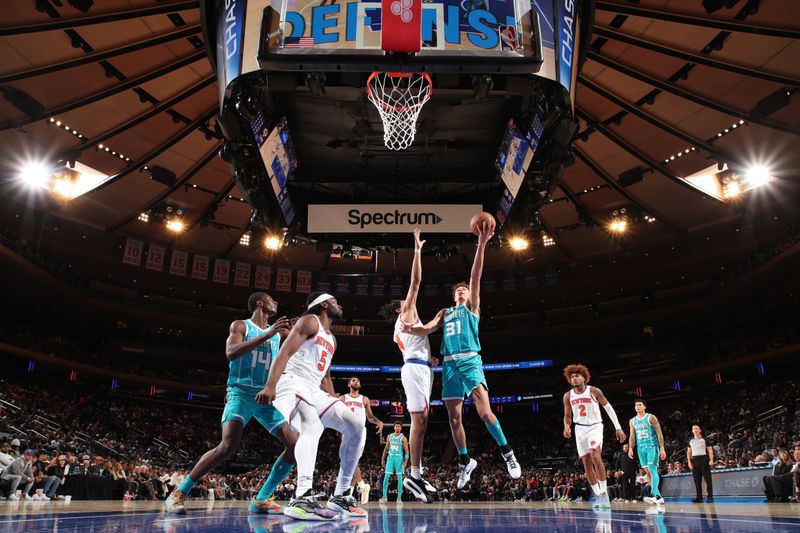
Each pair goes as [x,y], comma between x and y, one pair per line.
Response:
[508,37]
[592,443]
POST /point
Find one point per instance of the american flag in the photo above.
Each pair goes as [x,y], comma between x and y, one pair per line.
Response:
[298,42]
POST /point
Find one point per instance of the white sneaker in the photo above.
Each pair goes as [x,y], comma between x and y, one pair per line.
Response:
[44,498]
[382,500]
[650,500]
[36,498]
[466,472]
[13,498]
[660,501]
[29,498]
[514,469]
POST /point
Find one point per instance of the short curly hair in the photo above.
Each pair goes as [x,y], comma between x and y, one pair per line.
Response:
[577,369]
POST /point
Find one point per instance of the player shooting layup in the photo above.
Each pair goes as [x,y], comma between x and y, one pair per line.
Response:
[581,406]
[463,368]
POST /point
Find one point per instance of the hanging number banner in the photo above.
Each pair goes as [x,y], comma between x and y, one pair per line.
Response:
[133,252]
[303,282]
[155,258]
[262,277]
[283,281]
[241,276]
[200,267]
[222,270]
[178,263]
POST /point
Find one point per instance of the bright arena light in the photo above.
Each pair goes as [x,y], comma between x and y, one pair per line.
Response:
[35,174]
[175,225]
[518,244]
[731,190]
[757,175]
[618,226]
[64,188]
[273,242]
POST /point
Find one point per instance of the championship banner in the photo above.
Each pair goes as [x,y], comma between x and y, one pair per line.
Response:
[155,258]
[222,270]
[390,218]
[303,285]
[283,281]
[362,285]
[262,280]
[241,275]
[378,286]
[133,252]
[178,263]
[200,267]
[323,283]
[341,285]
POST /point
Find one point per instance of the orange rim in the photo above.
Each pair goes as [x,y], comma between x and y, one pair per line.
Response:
[424,75]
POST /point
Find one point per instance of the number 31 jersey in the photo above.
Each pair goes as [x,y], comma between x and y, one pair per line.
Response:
[460,335]
[250,371]
[313,358]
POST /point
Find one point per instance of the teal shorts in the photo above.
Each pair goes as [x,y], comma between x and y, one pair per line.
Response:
[241,405]
[461,376]
[394,464]
[648,456]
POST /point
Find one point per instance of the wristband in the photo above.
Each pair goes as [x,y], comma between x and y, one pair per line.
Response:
[405,458]
[417,250]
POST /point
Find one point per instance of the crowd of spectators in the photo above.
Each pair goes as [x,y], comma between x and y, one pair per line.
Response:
[145,448]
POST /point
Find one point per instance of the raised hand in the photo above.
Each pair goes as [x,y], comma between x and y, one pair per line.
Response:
[484,233]
[418,243]
[281,324]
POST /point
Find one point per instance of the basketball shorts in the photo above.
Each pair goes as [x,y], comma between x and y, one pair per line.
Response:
[461,376]
[648,456]
[290,391]
[418,384]
[588,438]
[394,464]
[241,405]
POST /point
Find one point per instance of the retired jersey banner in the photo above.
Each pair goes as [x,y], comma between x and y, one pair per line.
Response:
[263,275]
[200,267]
[222,270]
[283,281]
[303,282]
[178,263]
[390,218]
[133,252]
[241,275]
[155,258]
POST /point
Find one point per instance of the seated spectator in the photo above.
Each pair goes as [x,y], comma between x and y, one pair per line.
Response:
[775,486]
[18,472]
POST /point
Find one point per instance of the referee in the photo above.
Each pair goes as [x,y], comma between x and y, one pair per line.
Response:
[700,457]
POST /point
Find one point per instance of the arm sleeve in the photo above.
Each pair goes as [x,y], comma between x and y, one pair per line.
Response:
[612,415]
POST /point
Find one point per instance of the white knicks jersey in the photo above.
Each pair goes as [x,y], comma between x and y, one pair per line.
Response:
[585,408]
[412,346]
[356,405]
[313,358]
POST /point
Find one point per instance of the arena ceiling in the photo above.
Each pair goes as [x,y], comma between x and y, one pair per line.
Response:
[669,88]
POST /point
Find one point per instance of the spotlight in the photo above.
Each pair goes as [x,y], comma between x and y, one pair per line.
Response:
[618,226]
[731,190]
[35,175]
[273,242]
[175,225]
[64,188]
[547,240]
[144,217]
[518,244]
[757,175]
[244,240]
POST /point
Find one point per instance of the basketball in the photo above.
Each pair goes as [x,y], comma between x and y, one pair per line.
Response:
[480,218]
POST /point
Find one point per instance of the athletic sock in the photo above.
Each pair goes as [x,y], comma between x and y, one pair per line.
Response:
[416,472]
[596,489]
[386,485]
[654,492]
[187,485]
[280,469]
[463,456]
[399,487]
[603,487]
[497,432]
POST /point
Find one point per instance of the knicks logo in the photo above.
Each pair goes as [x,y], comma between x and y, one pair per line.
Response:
[402,9]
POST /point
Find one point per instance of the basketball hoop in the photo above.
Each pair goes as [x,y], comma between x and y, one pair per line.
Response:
[399,97]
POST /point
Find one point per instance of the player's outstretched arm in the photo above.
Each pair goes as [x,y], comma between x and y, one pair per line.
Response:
[236,347]
[662,451]
[567,417]
[305,328]
[601,398]
[371,417]
[428,328]
[408,312]
[484,234]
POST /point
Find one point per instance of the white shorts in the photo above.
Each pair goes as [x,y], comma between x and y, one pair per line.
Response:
[588,438]
[418,384]
[289,393]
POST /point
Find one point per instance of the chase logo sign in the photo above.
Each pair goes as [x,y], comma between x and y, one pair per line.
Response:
[566,20]
[391,218]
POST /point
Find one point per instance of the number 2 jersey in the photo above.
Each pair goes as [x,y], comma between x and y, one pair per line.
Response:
[250,371]
[460,335]
[313,358]
[585,407]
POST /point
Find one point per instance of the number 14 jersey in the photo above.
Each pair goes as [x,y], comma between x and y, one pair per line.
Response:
[250,371]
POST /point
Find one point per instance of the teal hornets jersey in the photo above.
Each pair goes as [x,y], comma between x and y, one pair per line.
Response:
[460,331]
[251,370]
[395,445]
[645,433]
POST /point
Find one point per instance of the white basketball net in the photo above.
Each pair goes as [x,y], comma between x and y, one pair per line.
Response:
[399,98]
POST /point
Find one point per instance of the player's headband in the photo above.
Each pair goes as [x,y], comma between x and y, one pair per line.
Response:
[318,300]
